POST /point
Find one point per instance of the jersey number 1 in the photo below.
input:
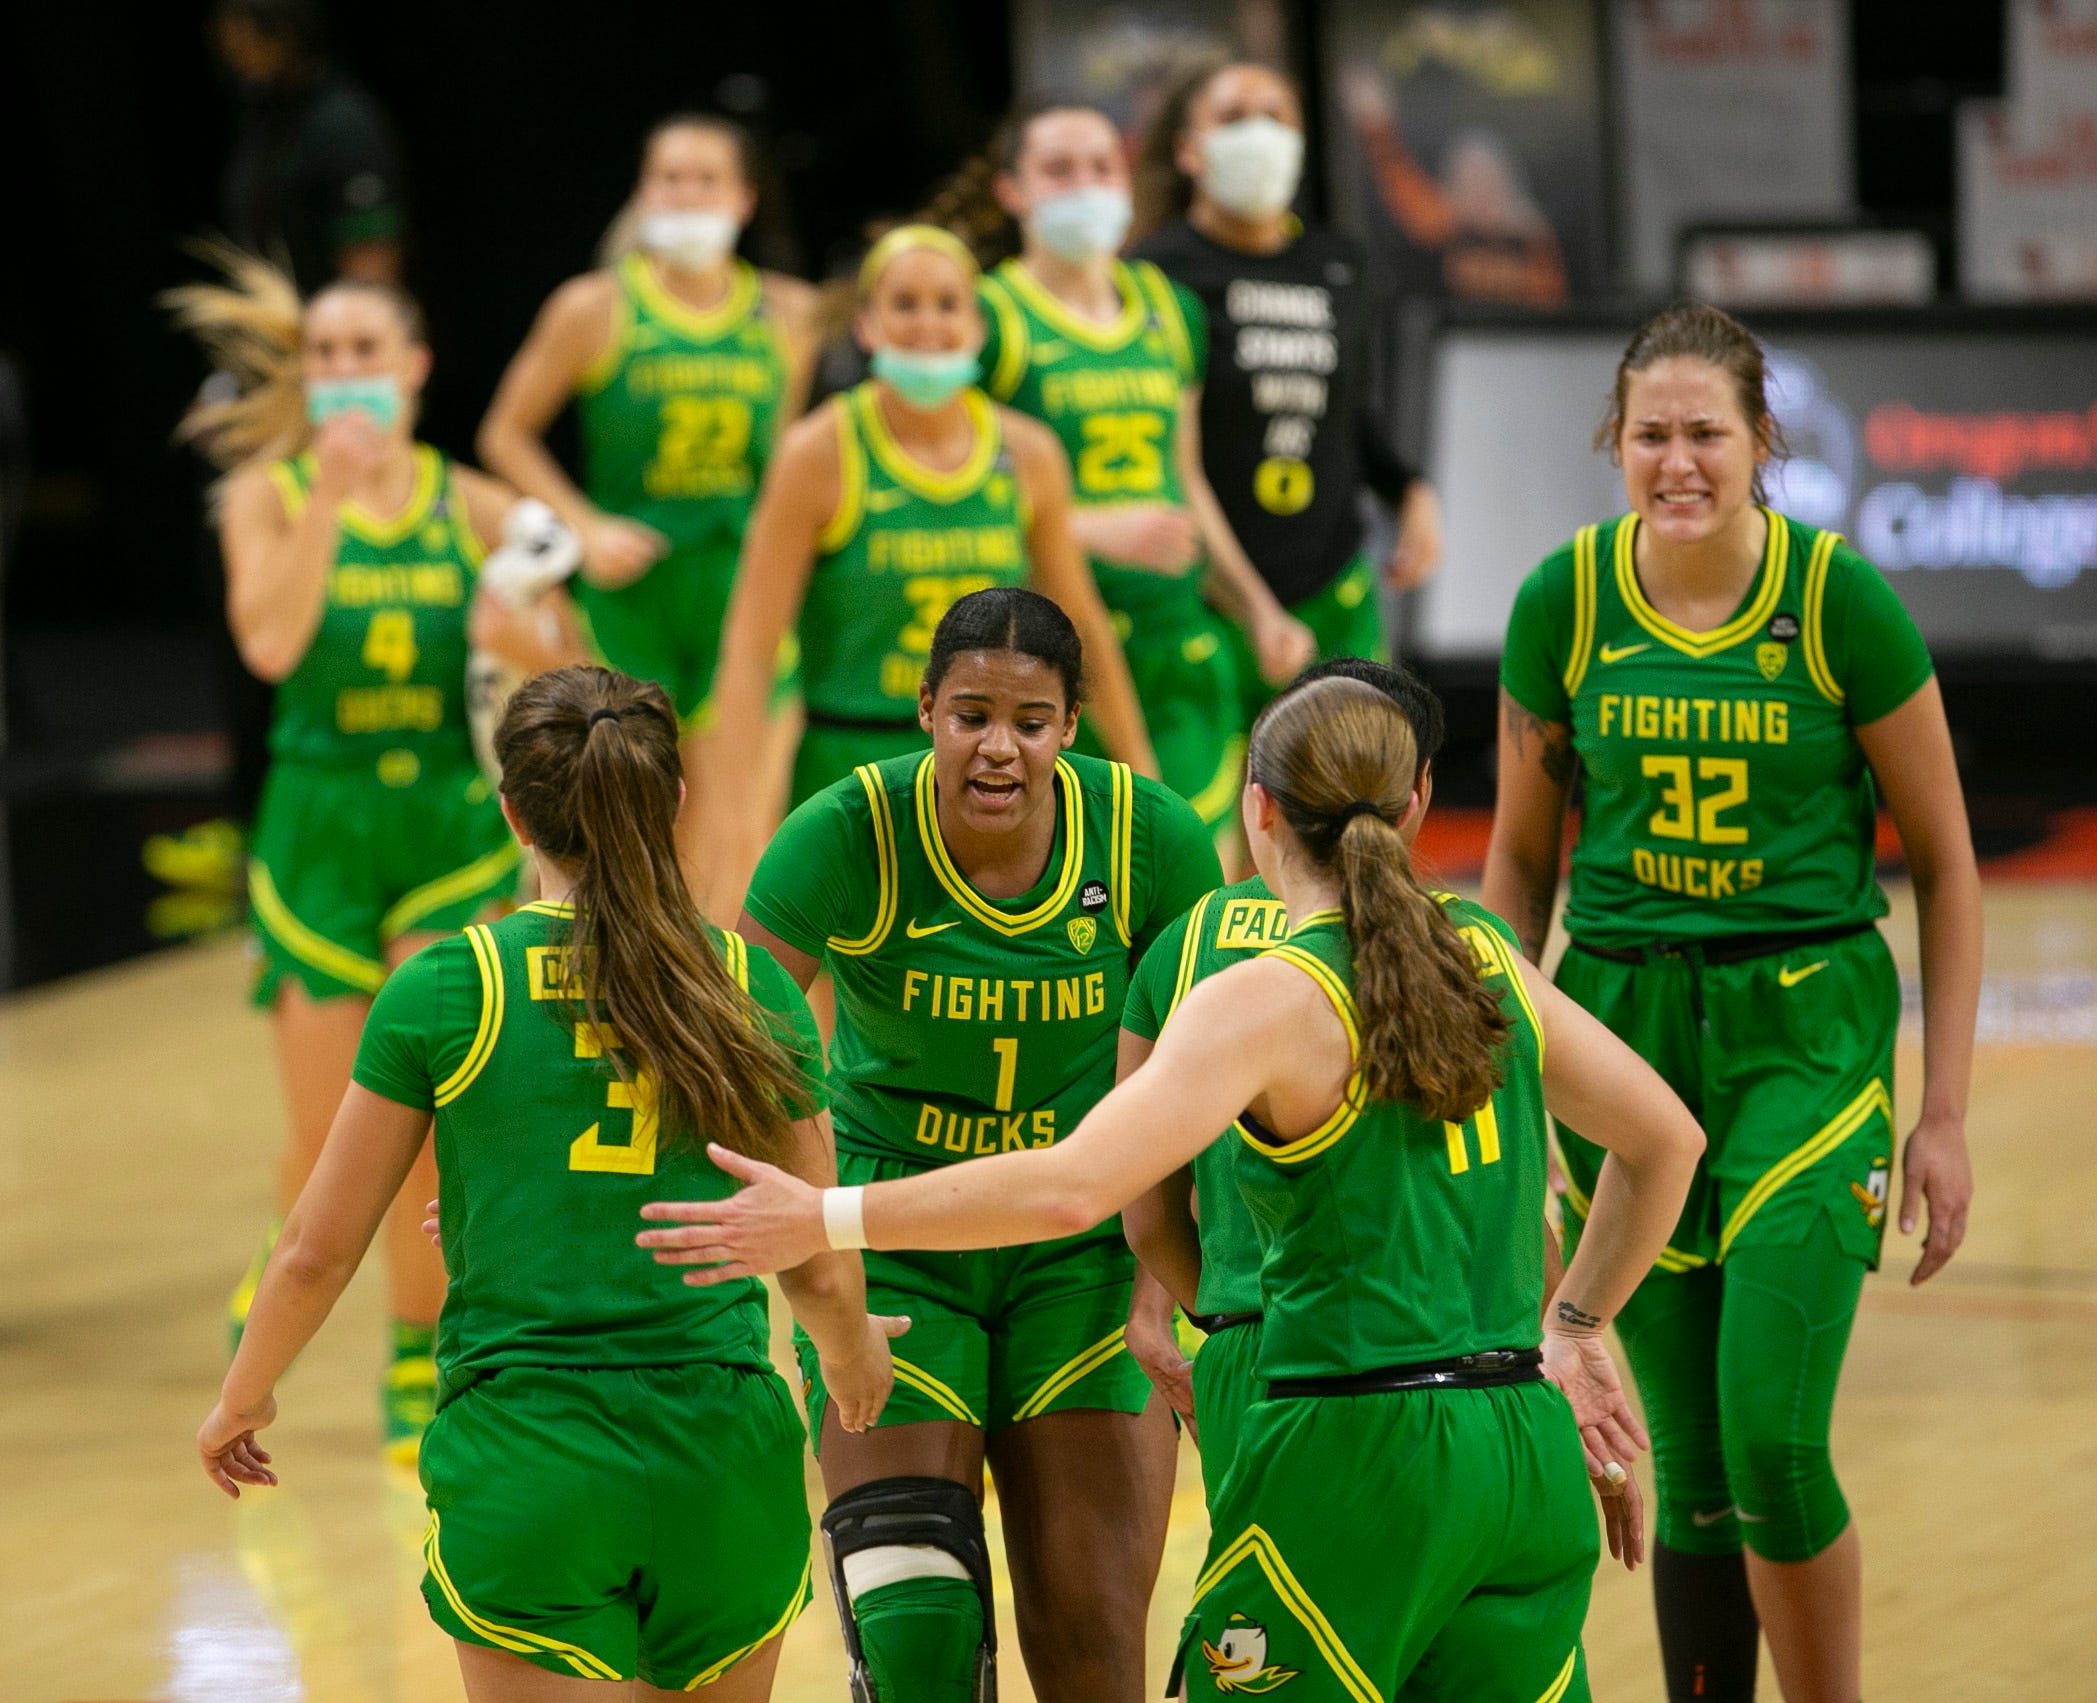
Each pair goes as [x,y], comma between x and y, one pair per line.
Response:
[636,1156]
[1488,1127]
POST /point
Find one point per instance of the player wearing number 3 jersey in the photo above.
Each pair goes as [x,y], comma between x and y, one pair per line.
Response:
[614,1473]
[980,908]
[1736,690]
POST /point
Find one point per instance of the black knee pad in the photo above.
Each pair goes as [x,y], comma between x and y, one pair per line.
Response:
[904,1513]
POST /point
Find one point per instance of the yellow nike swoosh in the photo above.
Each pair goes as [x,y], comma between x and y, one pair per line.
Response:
[910,928]
[1615,653]
[1045,353]
[880,502]
[1791,978]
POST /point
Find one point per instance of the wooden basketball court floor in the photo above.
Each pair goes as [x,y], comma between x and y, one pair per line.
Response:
[138,1115]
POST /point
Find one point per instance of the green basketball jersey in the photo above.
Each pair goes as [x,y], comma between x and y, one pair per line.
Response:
[545,1157]
[680,412]
[968,1025]
[1725,792]
[905,543]
[383,680]
[1391,1238]
[1231,924]
[1111,394]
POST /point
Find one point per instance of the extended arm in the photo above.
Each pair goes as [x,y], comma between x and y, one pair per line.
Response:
[1911,758]
[360,1170]
[1521,861]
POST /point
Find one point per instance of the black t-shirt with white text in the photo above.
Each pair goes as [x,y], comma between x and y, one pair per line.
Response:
[1289,429]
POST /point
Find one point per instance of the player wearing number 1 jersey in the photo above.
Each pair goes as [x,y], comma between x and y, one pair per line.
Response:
[352,555]
[614,1473]
[979,909]
[1738,690]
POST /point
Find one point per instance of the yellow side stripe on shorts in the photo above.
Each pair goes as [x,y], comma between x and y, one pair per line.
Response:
[1079,1366]
[509,1637]
[1213,803]
[364,974]
[915,1377]
[462,883]
[1873,1101]
[1557,1688]
[794,1606]
[1254,1543]
[489,963]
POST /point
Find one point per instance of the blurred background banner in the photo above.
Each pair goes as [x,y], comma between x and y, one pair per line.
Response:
[1960,458]
[1763,87]
[1124,59]
[1465,145]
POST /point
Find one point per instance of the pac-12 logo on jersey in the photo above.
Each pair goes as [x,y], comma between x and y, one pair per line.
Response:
[1082,931]
[1771,659]
[1238,1660]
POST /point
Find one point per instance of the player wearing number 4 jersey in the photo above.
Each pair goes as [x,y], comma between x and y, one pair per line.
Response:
[1405,1515]
[684,364]
[1737,690]
[979,909]
[353,557]
[614,1473]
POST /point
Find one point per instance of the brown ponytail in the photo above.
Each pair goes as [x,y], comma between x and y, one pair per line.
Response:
[1337,757]
[967,203]
[590,766]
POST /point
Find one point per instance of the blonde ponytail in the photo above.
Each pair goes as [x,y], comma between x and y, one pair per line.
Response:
[249,329]
[1338,758]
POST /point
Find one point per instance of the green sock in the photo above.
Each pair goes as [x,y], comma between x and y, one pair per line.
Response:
[920,1638]
[413,1341]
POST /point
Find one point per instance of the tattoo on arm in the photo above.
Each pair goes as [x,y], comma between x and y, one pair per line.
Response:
[1568,1314]
[1553,738]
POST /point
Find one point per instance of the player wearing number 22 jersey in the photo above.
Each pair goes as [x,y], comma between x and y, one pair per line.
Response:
[1727,839]
[969,1026]
[375,820]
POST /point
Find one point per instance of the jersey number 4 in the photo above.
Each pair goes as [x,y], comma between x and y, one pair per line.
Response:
[635,1157]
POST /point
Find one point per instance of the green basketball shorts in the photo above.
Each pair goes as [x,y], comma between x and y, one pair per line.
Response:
[997,1335]
[650,1521]
[1226,1384]
[1787,1060]
[346,860]
[1417,1544]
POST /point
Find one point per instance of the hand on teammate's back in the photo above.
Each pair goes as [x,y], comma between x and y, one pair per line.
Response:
[772,1223]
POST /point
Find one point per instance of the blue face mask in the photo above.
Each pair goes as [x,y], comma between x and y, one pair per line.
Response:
[1082,224]
[923,379]
[377,397]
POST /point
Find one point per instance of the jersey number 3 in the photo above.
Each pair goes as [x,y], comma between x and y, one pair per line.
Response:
[634,1157]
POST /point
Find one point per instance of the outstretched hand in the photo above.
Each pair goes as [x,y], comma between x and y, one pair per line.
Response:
[226,1447]
[1610,1434]
[772,1223]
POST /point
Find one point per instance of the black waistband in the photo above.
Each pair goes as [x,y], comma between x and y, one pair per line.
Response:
[1210,1323]
[1726,949]
[857,724]
[1482,1371]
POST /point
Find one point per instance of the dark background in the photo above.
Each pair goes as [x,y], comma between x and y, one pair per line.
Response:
[520,124]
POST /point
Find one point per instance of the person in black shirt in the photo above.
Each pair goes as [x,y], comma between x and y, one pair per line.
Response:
[1289,431]
[314,181]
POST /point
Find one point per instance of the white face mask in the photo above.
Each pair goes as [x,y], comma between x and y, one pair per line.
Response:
[1081,224]
[693,239]
[1252,167]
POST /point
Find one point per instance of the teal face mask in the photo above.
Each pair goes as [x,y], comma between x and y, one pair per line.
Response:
[926,380]
[378,397]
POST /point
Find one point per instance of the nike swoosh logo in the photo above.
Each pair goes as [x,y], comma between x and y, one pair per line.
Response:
[911,928]
[1791,978]
[880,502]
[1044,353]
[1617,653]
[1709,1519]
[1754,1519]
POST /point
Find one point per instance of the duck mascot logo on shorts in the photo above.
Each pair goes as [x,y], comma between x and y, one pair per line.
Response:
[1238,1662]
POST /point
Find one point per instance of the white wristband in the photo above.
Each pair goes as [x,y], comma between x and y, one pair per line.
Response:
[844,1217]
